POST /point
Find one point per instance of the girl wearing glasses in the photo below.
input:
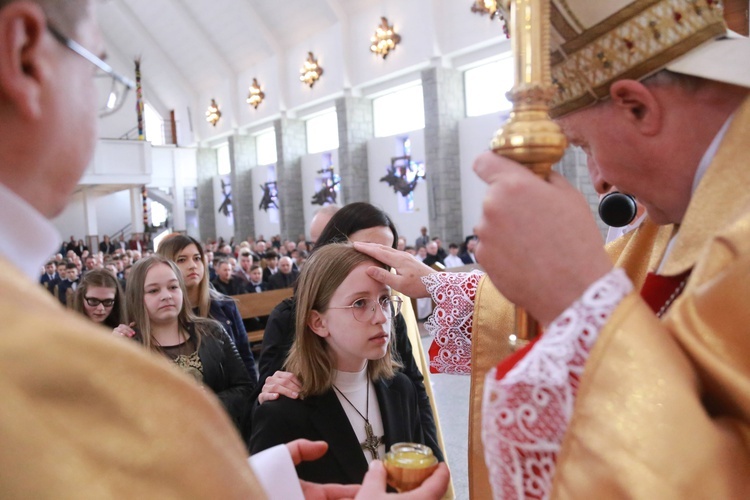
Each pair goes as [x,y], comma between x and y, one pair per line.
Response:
[100,298]
[162,320]
[357,221]
[351,394]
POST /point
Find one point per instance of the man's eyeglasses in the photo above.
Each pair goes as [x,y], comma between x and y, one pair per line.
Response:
[120,85]
[363,309]
[94,302]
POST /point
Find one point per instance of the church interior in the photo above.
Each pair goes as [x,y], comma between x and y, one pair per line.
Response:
[246,117]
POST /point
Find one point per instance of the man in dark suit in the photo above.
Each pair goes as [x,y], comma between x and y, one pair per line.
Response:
[50,278]
[272,265]
[255,284]
[226,283]
[69,283]
[107,247]
[286,276]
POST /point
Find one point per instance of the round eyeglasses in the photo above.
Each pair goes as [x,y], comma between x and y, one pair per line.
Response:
[363,309]
[94,302]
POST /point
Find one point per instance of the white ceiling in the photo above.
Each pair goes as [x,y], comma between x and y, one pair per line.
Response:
[195,50]
[190,45]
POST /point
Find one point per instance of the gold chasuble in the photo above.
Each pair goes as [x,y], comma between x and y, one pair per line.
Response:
[664,405]
[494,320]
[87,415]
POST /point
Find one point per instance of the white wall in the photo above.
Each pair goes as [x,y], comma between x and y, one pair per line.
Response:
[112,214]
[474,136]
[380,150]
[310,166]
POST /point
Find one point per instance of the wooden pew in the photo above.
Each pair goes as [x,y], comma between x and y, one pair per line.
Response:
[253,305]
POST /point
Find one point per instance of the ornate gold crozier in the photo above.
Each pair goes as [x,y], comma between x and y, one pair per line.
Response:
[529,137]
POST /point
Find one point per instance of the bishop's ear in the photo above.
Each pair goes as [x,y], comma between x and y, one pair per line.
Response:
[317,323]
[22,56]
[638,104]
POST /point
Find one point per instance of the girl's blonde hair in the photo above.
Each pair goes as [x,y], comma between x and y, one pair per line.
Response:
[170,247]
[138,314]
[309,358]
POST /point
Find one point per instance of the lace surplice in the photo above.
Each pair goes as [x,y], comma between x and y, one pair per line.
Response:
[525,414]
[451,320]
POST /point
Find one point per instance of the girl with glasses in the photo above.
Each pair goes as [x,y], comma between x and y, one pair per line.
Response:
[161,319]
[100,298]
[357,221]
[351,393]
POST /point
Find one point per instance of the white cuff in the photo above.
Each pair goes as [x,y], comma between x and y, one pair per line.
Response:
[275,472]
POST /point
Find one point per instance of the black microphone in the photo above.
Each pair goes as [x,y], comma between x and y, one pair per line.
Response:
[617,209]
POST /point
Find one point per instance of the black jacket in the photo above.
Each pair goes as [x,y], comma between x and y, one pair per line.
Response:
[279,335]
[225,375]
[225,312]
[281,280]
[323,418]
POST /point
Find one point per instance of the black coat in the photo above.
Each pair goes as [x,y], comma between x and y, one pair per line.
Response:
[277,341]
[323,418]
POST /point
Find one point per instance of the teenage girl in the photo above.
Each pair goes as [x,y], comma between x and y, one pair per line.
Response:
[351,394]
[161,319]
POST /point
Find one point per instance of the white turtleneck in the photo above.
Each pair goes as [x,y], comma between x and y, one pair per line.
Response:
[354,386]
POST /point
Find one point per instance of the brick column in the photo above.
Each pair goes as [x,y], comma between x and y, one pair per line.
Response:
[290,146]
[356,127]
[242,154]
[208,167]
[443,92]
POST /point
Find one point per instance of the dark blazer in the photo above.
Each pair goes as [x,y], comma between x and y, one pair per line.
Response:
[107,248]
[466,258]
[225,375]
[225,312]
[323,418]
[281,280]
[267,273]
[50,283]
[279,336]
[234,287]
[61,289]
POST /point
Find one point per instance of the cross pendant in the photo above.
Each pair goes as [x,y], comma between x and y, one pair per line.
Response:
[372,442]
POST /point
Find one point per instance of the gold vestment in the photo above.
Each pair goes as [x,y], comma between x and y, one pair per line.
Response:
[87,415]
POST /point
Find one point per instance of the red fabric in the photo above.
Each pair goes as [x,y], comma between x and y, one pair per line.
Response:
[657,290]
[508,363]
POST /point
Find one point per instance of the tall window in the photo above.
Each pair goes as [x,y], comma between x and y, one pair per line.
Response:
[398,112]
[222,156]
[486,87]
[265,147]
[322,132]
[154,125]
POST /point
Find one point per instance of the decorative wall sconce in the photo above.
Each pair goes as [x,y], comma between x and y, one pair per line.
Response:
[213,113]
[492,8]
[310,72]
[256,95]
[385,39]
[486,7]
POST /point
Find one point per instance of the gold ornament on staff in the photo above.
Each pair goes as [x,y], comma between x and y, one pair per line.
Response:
[530,137]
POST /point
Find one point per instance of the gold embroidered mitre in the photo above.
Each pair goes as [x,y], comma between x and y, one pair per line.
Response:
[593,44]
